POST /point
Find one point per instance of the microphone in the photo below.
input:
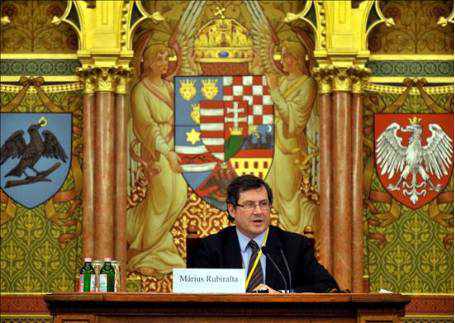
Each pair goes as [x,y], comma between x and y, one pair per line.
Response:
[265,250]
[287,268]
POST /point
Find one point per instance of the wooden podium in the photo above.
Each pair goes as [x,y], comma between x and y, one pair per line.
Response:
[182,308]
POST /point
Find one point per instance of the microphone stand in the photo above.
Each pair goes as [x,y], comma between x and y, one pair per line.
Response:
[268,255]
[288,269]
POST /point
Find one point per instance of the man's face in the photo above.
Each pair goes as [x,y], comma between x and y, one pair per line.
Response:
[252,214]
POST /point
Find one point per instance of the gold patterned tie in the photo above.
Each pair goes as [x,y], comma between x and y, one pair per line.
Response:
[257,276]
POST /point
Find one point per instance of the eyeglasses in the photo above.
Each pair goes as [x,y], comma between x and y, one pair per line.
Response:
[250,205]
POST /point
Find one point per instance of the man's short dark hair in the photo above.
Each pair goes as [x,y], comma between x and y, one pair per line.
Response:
[245,183]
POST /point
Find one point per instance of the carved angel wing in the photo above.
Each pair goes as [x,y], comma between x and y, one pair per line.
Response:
[183,38]
[390,153]
[264,37]
[13,147]
[52,147]
[437,154]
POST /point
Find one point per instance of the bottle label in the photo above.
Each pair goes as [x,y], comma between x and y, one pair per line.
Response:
[81,283]
[103,282]
[92,282]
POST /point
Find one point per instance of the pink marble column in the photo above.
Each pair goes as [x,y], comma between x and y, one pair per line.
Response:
[104,175]
[121,147]
[357,194]
[323,233]
[342,189]
[88,178]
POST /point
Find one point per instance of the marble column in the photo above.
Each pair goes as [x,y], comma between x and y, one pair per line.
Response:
[359,75]
[323,223]
[341,179]
[340,223]
[121,151]
[87,166]
[105,165]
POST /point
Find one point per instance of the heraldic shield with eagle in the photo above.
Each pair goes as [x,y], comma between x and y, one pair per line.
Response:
[414,155]
[35,155]
[223,128]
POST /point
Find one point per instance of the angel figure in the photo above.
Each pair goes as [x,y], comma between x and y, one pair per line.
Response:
[293,93]
[151,249]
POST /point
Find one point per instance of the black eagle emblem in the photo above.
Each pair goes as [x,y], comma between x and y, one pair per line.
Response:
[44,144]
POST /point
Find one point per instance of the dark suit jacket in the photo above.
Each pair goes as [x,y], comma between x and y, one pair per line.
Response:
[222,250]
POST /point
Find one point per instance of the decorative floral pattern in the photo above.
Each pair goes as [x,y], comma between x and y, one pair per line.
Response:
[407,250]
[31,29]
[41,247]
[416,30]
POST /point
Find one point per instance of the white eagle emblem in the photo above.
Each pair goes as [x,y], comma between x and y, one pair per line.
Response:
[435,158]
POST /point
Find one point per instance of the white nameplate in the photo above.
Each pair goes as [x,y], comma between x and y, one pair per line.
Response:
[208,281]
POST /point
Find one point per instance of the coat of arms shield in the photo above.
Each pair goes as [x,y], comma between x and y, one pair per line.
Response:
[414,155]
[224,127]
[35,155]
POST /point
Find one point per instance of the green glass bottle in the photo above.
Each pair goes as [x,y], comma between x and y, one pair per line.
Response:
[107,276]
[87,276]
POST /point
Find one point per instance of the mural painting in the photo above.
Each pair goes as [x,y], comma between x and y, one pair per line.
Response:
[239,61]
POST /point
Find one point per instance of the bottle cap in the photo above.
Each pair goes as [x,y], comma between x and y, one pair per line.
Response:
[107,259]
[87,259]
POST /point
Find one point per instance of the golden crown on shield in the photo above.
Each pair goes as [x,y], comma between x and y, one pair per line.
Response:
[223,40]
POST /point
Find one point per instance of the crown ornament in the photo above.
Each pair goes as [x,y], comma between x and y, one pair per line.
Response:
[223,40]
[414,121]
[235,131]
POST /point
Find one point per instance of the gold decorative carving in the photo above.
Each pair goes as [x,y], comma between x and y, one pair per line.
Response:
[341,80]
[69,87]
[87,78]
[122,76]
[331,78]
[322,30]
[359,76]
[446,89]
[105,79]
[323,76]
[124,25]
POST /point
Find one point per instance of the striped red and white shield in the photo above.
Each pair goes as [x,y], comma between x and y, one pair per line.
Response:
[212,114]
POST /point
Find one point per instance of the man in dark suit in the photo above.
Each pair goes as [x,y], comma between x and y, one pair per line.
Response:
[273,259]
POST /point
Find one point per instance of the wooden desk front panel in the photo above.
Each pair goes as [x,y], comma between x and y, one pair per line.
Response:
[167,308]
